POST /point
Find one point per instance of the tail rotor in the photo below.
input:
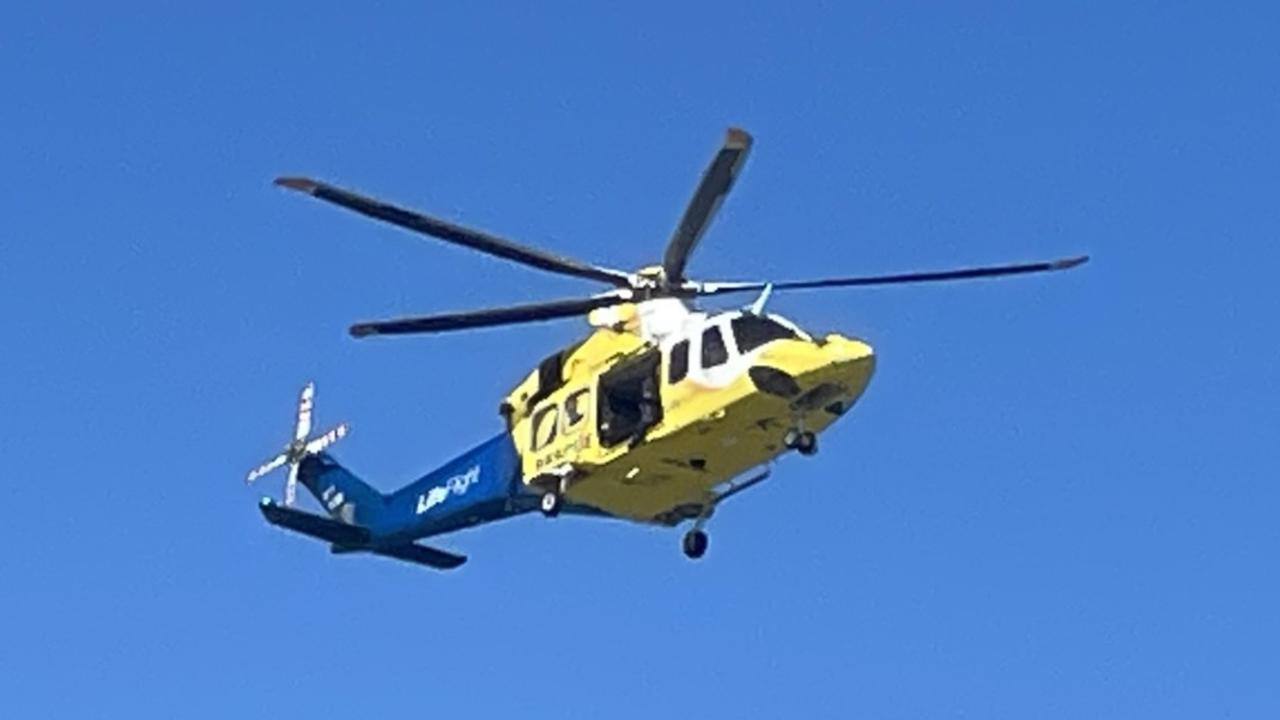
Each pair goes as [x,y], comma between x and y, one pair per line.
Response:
[300,447]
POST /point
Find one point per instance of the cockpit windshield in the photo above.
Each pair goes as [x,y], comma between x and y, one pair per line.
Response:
[752,331]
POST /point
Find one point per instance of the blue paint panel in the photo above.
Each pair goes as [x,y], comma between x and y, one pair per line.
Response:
[477,486]
[480,485]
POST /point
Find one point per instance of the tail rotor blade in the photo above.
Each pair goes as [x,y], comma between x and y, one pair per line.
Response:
[303,428]
[291,486]
[266,467]
[327,439]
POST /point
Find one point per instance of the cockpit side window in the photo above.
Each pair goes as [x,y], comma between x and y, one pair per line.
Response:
[678,362]
[752,331]
[543,427]
[714,351]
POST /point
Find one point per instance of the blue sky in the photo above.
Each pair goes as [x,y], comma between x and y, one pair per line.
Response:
[1057,499]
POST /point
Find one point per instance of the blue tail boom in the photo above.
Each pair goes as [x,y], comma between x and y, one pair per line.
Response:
[480,485]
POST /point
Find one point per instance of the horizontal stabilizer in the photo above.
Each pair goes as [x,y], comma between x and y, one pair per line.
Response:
[422,555]
[314,525]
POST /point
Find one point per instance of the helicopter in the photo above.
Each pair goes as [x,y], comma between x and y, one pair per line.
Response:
[658,416]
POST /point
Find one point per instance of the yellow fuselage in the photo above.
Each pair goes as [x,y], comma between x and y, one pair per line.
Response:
[713,426]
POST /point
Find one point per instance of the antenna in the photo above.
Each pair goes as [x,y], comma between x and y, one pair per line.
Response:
[757,307]
[300,447]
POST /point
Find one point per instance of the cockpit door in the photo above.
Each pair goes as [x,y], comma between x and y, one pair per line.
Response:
[629,401]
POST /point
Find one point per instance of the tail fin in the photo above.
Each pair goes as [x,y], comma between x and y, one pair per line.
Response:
[344,496]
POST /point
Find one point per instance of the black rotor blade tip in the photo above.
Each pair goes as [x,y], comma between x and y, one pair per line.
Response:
[1068,263]
[300,184]
[736,138]
[362,330]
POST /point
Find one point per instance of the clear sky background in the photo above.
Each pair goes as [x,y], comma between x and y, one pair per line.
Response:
[1057,499]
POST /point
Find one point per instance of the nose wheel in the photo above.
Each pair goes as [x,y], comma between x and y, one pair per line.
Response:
[694,544]
[802,441]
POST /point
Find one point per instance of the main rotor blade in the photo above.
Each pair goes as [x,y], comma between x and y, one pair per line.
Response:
[899,279]
[716,182]
[457,234]
[509,315]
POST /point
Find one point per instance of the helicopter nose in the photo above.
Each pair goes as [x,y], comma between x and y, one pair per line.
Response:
[830,366]
[851,359]
[847,350]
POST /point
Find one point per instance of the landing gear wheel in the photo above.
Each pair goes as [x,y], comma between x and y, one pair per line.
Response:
[694,544]
[802,441]
[808,444]
[550,504]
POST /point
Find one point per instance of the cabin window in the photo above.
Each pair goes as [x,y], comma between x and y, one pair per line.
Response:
[714,351]
[752,331]
[678,362]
